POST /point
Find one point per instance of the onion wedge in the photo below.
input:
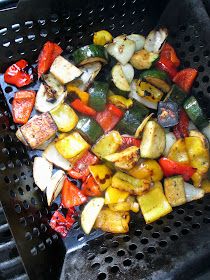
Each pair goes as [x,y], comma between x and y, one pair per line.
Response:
[42,172]
[170,140]
[192,193]
[55,186]
[155,40]
[138,39]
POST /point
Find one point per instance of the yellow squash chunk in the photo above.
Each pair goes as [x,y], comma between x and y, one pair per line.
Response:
[206,186]
[198,154]
[148,168]
[112,221]
[143,59]
[102,175]
[108,144]
[142,125]
[197,178]
[130,184]
[174,190]
[65,117]
[154,205]
[178,152]
[153,140]
[125,159]
[71,145]
[102,37]
[121,206]
[158,185]
[120,101]
[113,195]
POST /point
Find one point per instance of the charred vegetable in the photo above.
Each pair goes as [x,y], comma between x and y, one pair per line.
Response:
[168,113]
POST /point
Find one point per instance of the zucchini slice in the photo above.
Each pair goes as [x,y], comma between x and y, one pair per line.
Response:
[176,94]
[89,129]
[98,95]
[120,84]
[195,112]
[89,54]
[157,78]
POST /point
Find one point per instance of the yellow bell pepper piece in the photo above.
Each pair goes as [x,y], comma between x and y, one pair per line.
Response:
[148,91]
[178,152]
[206,186]
[71,145]
[102,175]
[154,205]
[65,117]
[120,101]
[83,96]
[147,169]
[113,195]
[102,37]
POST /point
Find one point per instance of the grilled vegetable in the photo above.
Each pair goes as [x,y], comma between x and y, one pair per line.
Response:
[153,140]
[120,101]
[46,57]
[181,129]
[102,175]
[129,141]
[120,84]
[38,130]
[55,186]
[89,54]
[154,205]
[185,78]
[166,65]
[64,117]
[133,116]
[89,72]
[192,193]
[195,112]
[125,159]
[148,91]
[22,105]
[128,72]
[121,206]
[169,53]
[113,195]
[121,49]
[170,140]
[171,168]
[178,152]
[130,184]
[102,37]
[42,172]
[138,39]
[168,113]
[155,40]
[20,137]
[206,186]
[71,196]
[156,78]
[109,117]
[134,206]
[90,187]
[82,95]
[111,221]
[64,71]
[174,190]
[98,95]
[53,156]
[90,213]
[79,106]
[147,169]
[176,94]
[143,59]
[71,145]
[89,129]
[108,144]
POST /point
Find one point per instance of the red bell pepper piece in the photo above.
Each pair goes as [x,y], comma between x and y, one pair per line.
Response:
[169,53]
[171,168]
[62,224]
[166,65]
[181,129]
[90,187]
[17,74]
[71,196]
[22,105]
[79,106]
[185,78]
[46,57]
[109,117]
[128,141]
[80,169]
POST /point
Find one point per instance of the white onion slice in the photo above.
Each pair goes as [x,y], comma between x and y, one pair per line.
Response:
[138,39]
[155,39]
[170,140]
[55,186]
[42,172]
[128,71]
[192,193]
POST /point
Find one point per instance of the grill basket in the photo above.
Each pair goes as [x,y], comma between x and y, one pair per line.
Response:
[176,246]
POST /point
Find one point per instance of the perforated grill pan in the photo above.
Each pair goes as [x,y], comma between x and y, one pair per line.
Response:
[176,246]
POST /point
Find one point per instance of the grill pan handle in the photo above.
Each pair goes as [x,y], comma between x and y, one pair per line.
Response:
[6,4]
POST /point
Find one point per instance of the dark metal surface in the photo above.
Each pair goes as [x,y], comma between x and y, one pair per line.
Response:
[175,247]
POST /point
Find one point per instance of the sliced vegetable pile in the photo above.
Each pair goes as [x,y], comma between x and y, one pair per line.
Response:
[131,136]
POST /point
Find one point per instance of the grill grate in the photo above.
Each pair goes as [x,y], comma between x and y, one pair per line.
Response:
[175,247]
